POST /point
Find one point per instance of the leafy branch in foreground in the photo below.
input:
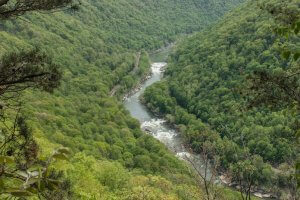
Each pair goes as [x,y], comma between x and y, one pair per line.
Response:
[23,70]
[21,172]
[14,8]
[34,68]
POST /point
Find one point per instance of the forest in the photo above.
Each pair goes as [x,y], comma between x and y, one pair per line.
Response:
[96,47]
[227,89]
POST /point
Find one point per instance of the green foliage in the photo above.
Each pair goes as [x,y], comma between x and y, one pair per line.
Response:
[22,173]
[110,180]
[97,48]
[11,8]
[201,93]
[28,69]
[32,179]
[96,56]
[251,172]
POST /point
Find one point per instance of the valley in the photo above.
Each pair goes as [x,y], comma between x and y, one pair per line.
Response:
[149,99]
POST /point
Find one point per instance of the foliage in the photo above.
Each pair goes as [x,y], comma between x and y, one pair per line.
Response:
[23,70]
[97,48]
[250,172]
[281,88]
[22,174]
[201,94]
[81,115]
[12,8]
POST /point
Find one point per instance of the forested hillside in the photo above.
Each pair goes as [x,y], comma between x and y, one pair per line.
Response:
[204,95]
[97,48]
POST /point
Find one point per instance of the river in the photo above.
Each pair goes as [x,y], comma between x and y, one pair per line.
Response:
[158,128]
[155,126]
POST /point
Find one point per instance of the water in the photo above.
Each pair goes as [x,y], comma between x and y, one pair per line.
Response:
[154,126]
[158,127]
[132,103]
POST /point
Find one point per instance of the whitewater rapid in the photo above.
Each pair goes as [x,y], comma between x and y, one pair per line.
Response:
[154,126]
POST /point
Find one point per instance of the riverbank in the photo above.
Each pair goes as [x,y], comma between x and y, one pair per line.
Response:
[138,86]
[169,133]
[164,130]
[159,55]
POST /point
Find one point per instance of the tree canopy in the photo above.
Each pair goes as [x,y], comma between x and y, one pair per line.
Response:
[206,91]
[87,54]
[14,8]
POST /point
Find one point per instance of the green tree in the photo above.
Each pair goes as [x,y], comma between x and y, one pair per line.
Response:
[21,172]
[278,89]
[249,173]
[14,8]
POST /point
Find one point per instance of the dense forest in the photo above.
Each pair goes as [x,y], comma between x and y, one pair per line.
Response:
[206,95]
[101,45]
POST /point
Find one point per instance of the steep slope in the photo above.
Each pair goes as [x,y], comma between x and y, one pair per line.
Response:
[201,94]
[97,49]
